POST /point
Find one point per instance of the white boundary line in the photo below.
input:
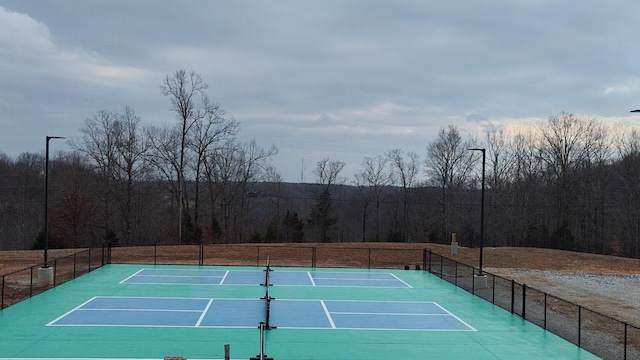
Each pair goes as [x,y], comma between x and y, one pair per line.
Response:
[313,283]
[132,275]
[226,273]
[322,303]
[204,312]
[455,317]
[72,310]
[326,312]
[402,281]
[339,276]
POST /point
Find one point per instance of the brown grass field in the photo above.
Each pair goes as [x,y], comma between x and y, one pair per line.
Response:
[500,258]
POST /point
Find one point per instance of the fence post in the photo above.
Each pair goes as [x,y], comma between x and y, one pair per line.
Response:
[429,260]
[524,301]
[155,254]
[473,280]
[424,259]
[313,257]
[545,312]
[2,296]
[55,272]
[74,264]
[456,273]
[493,289]
[579,324]
[369,261]
[258,256]
[513,294]
[625,341]
[31,283]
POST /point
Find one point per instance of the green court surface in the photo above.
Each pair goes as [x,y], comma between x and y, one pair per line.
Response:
[84,318]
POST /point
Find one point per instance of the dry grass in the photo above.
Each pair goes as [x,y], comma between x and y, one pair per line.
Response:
[505,257]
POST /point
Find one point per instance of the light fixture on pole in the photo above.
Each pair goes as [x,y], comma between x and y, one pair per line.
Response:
[481,209]
[46,201]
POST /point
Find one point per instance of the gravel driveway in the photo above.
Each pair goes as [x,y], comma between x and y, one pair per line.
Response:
[616,295]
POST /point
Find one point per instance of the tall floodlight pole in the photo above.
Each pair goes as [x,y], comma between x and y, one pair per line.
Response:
[481,208]
[638,221]
[46,201]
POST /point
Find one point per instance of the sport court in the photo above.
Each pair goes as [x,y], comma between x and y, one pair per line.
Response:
[149,312]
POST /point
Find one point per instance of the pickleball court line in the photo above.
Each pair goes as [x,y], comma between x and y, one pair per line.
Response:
[204,312]
[327,314]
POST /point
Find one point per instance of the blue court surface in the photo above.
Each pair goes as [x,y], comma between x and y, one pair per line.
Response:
[253,277]
[234,313]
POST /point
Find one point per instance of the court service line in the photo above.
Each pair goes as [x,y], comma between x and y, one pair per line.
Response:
[386,314]
[70,311]
[402,281]
[204,312]
[140,310]
[326,312]
[224,277]
[455,317]
[132,275]
[313,283]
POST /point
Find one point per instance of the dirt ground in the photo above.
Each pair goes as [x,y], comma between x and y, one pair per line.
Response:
[506,262]
[504,257]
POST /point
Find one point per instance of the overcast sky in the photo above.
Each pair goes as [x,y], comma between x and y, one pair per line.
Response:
[338,79]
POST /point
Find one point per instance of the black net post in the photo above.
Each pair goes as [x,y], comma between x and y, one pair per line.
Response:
[261,355]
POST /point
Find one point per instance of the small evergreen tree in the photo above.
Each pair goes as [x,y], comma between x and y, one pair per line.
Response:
[294,227]
[321,217]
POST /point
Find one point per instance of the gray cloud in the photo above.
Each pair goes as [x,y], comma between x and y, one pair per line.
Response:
[317,78]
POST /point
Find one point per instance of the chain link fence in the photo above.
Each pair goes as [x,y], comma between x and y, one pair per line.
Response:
[595,332]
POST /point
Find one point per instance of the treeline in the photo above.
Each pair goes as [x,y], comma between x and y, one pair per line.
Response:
[569,183]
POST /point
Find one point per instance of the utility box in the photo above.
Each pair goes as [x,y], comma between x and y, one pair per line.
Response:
[45,276]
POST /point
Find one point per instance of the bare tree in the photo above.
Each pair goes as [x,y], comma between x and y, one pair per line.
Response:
[566,143]
[372,180]
[233,168]
[448,165]
[499,158]
[98,143]
[114,146]
[404,173]
[132,150]
[627,143]
[28,171]
[208,135]
[188,102]
[328,175]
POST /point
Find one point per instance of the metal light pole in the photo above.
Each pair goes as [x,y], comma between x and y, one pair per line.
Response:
[46,201]
[481,208]
[638,221]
